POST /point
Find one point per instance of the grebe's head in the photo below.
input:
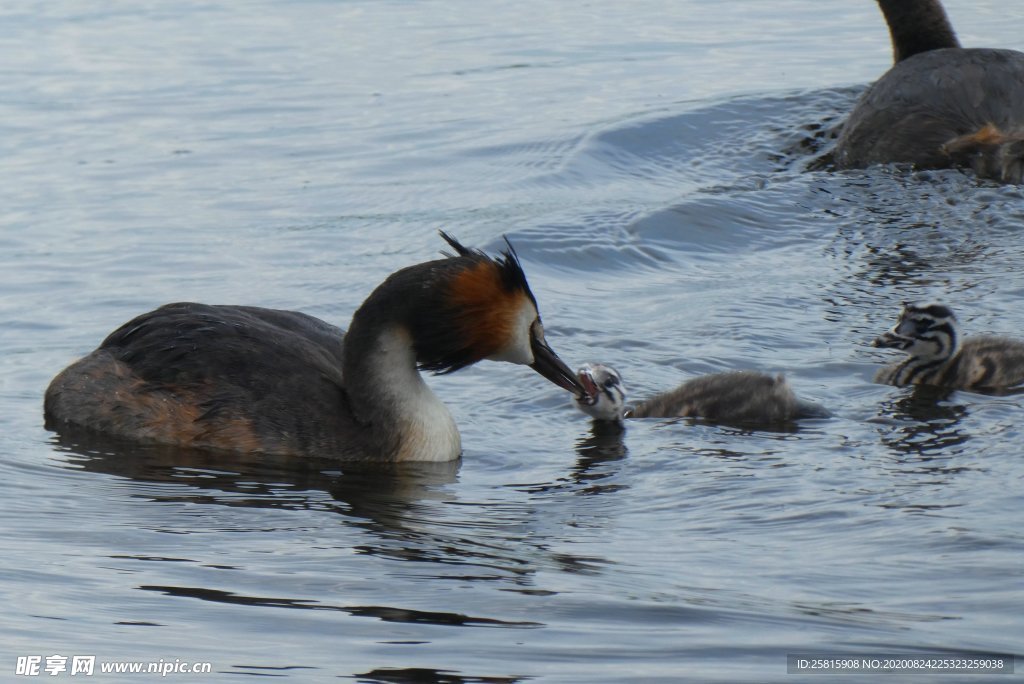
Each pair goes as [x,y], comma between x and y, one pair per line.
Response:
[470,307]
[604,395]
[924,330]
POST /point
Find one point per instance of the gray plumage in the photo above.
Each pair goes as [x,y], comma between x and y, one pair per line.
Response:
[735,397]
[940,105]
[740,397]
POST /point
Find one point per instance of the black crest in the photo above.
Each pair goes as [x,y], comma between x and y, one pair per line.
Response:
[512,274]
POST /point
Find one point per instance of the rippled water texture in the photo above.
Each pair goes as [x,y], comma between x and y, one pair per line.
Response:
[649,161]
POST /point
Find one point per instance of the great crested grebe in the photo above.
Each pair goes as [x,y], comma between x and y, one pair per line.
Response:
[940,105]
[738,397]
[928,332]
[244,378]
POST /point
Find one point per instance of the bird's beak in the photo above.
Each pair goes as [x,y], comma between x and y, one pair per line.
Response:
[547,363]
[890,340]
[585,376]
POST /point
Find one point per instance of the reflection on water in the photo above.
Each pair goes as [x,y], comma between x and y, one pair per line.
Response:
[599,456]
[387,496]
[409,513]
[924,422]
[401,615]
[420,675]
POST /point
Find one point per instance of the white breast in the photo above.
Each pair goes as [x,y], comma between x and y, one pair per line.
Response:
[428,431]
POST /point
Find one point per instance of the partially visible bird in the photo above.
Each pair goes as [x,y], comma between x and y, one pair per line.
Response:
[940,105]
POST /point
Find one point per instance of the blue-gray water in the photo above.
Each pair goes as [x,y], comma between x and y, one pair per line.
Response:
[648,161]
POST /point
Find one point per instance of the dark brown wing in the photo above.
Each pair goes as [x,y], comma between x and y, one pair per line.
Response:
[234,377]
[930,99]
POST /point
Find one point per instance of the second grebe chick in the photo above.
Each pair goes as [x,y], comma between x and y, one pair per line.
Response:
[936,355]
[737,397]
[940,105]
[281,382]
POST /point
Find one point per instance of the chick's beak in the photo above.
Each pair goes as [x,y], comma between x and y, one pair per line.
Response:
[547,363]
[890,340]
[585,376]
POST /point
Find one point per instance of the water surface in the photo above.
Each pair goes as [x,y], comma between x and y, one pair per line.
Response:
[649,161]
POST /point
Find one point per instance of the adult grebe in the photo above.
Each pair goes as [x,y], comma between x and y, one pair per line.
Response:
[738,397]
[940,105]
[281,382]
[928,332]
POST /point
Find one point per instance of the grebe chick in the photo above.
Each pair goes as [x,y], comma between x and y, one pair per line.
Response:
[250,379]
[928,332]
[737,397]
[604,394]
[940,105]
